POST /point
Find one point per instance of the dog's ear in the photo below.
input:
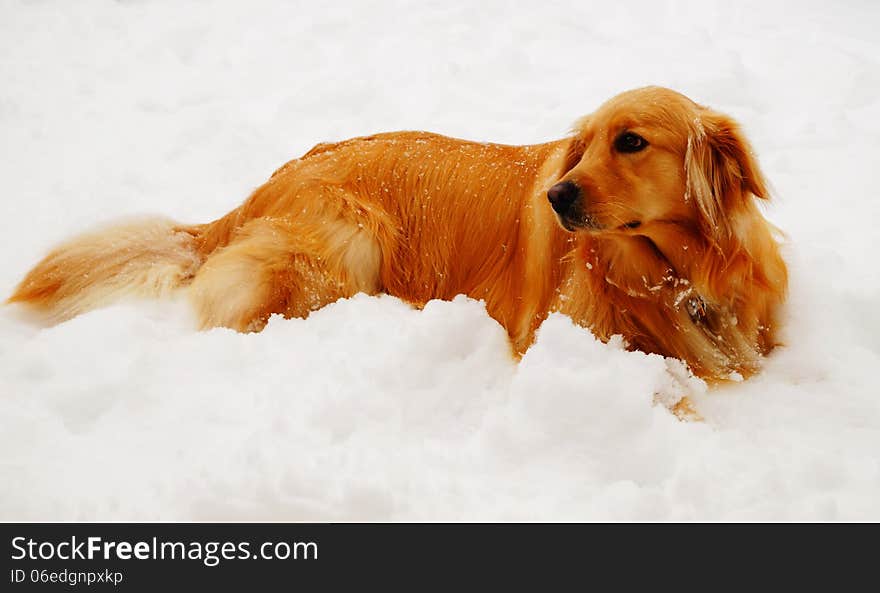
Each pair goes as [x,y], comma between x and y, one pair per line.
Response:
[721,169]
[576,147]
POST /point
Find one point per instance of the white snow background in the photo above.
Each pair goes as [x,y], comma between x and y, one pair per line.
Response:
[370,410]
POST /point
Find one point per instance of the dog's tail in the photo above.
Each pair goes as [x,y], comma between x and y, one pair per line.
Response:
[143,258]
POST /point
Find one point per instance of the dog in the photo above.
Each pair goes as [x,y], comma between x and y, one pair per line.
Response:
[644,223]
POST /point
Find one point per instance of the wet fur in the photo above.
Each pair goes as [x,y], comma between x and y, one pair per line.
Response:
[422,216]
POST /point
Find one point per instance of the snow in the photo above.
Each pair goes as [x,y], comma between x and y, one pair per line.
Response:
[371,410]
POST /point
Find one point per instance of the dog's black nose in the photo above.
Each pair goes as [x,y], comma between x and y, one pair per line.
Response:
[562,196]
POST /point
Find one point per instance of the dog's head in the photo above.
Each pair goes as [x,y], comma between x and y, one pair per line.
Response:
[668,189]
[653,157]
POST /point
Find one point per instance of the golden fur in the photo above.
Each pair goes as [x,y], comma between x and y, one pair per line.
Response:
[668,246]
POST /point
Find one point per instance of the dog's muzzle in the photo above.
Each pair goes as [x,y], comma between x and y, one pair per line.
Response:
[562,196]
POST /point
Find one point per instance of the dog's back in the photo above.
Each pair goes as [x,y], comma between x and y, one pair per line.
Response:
[446,217]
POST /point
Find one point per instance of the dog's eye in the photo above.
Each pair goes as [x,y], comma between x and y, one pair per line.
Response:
[630,142]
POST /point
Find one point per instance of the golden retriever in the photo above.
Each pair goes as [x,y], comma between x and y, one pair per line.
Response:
[642,223]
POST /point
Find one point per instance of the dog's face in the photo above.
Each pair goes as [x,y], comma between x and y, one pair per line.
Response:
[653,157]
